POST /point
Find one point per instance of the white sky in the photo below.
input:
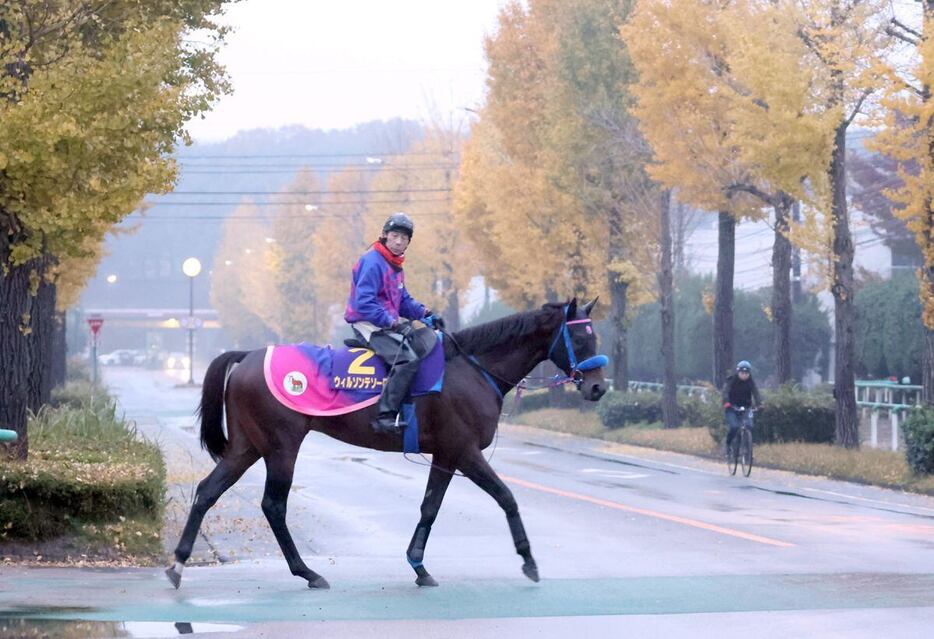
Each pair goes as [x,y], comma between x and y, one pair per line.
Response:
[329,64]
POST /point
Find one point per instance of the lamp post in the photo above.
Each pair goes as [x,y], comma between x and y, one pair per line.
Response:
[191,267]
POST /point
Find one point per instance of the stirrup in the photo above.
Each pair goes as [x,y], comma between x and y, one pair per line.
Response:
[394,427]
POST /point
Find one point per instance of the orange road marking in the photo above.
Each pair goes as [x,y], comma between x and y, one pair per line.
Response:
[649,513]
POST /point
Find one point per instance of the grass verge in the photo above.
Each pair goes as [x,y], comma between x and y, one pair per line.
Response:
[91,488]
[866,466]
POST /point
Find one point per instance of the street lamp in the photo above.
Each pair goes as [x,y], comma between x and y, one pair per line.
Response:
[191,267]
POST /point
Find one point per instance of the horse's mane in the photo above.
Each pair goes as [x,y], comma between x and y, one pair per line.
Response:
[481,338]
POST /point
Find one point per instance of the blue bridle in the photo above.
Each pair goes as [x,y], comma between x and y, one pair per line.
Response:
[597,361]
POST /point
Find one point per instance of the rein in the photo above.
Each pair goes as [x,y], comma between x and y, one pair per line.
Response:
[577,369]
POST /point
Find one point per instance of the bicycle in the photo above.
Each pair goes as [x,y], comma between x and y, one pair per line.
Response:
[740,453]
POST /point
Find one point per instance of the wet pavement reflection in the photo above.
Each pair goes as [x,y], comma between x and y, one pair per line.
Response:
[17,624]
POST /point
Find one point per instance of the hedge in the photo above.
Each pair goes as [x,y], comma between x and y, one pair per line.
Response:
[86,466]
[790,415]
[919,440]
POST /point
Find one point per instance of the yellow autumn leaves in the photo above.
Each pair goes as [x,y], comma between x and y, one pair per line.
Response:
[283,268]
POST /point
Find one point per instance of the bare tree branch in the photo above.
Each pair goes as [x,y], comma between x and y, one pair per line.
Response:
[859,105]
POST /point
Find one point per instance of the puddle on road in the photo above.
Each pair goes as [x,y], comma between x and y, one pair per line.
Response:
[13,627]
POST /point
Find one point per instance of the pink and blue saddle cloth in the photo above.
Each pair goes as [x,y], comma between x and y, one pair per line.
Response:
[322,381]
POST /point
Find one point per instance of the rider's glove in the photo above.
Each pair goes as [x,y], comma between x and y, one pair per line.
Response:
[433,320]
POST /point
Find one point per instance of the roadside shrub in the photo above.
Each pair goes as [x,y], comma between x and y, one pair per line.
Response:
[696,412]
[86,466]
[76,394]
[77,369]
[919,440]
[618,409]
[791,415]
[566,396]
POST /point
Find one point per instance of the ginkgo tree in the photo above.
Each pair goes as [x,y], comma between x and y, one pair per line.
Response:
[845,44]
[240,279]
[93,98]
[686,119]
[439,262]
[551,162]
[908,138]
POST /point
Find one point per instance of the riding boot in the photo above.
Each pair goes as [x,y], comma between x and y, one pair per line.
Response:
[395,389]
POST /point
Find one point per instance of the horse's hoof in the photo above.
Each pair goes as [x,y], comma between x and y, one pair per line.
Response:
[174,576]
[320,583]
[426,580]
[530,570]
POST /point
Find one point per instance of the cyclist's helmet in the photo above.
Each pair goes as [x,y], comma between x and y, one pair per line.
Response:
[744,367]
[399,222]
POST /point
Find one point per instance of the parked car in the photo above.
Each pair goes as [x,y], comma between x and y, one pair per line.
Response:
[119,357]
[177,361]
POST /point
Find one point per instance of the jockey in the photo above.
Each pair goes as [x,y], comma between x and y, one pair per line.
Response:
[378,311]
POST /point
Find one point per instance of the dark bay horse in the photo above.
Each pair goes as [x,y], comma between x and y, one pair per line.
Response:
[483,364]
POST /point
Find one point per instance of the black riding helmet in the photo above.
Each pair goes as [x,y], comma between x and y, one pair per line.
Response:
[399,222]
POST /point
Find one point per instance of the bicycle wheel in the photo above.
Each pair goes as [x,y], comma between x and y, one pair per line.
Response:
[746,451]
[732,456]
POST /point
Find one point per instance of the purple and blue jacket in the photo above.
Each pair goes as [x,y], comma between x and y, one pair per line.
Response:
[378,295]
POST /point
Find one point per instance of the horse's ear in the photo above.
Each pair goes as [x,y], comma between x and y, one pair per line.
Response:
[572,308]
[589,306]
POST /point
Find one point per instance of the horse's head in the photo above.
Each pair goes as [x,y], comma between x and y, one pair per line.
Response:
[574,350]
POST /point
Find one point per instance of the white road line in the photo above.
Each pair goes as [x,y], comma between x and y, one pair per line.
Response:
[615,474]
[869,499]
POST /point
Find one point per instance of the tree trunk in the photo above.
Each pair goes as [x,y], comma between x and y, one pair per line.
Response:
[665,296]
[620,339]
[927,368]
[927,272]
[44,320]
[847,426]
[796,258]
[25,346]
[60,350]
[618,304]
[452,315]
[781,291]
[723,304]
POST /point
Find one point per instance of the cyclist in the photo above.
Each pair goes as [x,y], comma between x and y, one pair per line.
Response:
[739,392]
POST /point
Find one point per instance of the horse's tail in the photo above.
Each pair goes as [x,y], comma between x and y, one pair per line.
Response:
[211,409]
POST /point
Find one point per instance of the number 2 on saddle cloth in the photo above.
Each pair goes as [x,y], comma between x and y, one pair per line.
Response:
[320,381]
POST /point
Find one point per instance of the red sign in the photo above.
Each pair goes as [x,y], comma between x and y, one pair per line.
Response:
[95,323]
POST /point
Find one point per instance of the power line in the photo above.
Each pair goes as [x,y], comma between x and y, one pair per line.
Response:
[349,192]
[311,217]
[360,169]
[300,165]
[309,155]
[303,203]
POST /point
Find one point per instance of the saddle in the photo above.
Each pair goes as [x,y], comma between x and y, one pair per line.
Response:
[321,381]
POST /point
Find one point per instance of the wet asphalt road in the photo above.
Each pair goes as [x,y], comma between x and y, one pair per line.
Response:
[627,540]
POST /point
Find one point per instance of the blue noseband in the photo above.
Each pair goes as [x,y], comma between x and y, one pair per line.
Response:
[597,361]
[589,364]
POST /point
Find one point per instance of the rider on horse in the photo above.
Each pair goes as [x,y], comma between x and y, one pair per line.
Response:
[379,309]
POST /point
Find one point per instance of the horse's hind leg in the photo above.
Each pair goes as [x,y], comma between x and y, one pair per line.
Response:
[225,474]
[438,480]
[474,466]
[279,470]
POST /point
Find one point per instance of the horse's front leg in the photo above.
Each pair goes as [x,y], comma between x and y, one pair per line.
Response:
[474,466]
[438,480]
[280,466]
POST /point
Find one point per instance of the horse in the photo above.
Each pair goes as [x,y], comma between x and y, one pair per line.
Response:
[483,363]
